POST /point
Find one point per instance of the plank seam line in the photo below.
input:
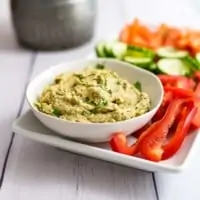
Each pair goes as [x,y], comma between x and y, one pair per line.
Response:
[31,65]
[155,186]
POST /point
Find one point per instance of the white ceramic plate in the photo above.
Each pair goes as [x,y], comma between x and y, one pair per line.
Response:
[28,126]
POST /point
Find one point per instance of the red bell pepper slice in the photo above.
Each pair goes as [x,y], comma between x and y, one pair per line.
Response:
[150,145]
[168,97]
[197,76]
[179,92]
[175,81]
[184,83]
[191,83]
[118,143]
[169,78]
[160,113]
[197,90]
[140,131]
[192,126]
[170,94]
[183,126]
[196,119]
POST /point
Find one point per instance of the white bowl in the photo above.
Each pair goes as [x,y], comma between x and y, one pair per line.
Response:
[96,132]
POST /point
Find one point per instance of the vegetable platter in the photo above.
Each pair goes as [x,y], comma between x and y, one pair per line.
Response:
[173,54]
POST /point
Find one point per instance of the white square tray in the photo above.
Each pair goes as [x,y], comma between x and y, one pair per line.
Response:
[27,125]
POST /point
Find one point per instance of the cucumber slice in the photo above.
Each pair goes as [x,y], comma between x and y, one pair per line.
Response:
[170,52]
[99,49]
[119,50]
[152,67]
[173,66]
[192,63]
[143,62]
[198,57]
[109,48]
[115,49]
[136,51]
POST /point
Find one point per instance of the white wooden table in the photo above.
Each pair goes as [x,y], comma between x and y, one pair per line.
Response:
[30,170]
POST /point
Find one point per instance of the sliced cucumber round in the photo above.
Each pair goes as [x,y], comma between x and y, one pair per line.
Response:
[173,66]
[192,63]
[109,48]
[138,61]
[198,57]
[100,49]
[170,52]
[136,51]
[152,67]
[119,50]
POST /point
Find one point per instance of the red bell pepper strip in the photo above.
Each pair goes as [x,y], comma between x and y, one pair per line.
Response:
[175,81]
[159,114]
[197,90]
[140,131]
[169,78]
[196,119]
[118,143]
[192,126]
[183,126]
[168,96]
[197,76]
[179,92]
[191,83]
[151,144]
[144,134]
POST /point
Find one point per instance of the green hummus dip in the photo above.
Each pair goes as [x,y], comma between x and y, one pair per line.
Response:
[95,95]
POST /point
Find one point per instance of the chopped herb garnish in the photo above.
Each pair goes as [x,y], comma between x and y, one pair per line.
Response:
[85,113]
[110,91]
[118,82]
[100,66]
[125,86]
[100,105]
[87,100]
[103,102]
[56,112]
[100,80]
[117,101]
[57,80]
[138,86]
[80,76]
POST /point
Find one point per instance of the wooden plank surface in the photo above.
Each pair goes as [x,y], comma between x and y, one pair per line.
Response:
[13,76]
[183,186]
[37,171]
[14,69]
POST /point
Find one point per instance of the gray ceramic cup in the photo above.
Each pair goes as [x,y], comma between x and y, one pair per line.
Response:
[53,24]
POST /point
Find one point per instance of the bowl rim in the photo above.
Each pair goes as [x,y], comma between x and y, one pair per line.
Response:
[54,67]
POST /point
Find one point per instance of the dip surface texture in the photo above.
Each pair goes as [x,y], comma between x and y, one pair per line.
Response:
[95,95]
